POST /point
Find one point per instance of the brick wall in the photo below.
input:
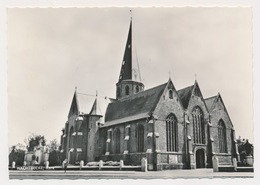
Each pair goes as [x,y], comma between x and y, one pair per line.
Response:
[219,113]
[163,109]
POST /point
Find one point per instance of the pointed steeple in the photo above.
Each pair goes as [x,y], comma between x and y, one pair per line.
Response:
[95,110]
[74,107]
[126,69]
[129,81]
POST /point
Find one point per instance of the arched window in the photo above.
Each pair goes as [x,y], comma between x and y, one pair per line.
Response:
[222,137]
[118,93]
[198,125]
[137,89]
[71,137]
[66,138]
[127,90]
[104,136]
[117,141]
[170,94]
[171,133]
[140,138]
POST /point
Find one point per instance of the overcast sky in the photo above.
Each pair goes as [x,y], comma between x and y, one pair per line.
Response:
[50,51]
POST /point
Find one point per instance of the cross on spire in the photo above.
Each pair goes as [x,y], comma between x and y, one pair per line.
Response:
[131,14]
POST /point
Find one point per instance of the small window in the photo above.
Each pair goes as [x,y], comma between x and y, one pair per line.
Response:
[170,94]
[127,90]
[118,91]
[137,89]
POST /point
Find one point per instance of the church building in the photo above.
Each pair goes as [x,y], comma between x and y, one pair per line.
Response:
[172,128]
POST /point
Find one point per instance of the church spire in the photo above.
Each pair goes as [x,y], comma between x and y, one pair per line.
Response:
[126,69]
[129,82]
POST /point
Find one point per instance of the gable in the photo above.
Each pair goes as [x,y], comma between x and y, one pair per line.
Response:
[171,93]
[73,107]
[100,105]
[81,104]
[197,92]
[219,105]
[95,110]
[169,102]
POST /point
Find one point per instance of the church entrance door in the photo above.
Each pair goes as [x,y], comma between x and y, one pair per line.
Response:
[200,158]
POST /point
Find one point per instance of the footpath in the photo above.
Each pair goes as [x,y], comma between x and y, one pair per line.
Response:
[168,174]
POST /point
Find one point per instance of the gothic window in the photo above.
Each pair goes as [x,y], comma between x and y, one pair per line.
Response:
[118,92]
[171,133]
[198,126]
[71,138]
[66,133]
[170,94]
[222,137]
[109,140]
[140,138]
[127,90]
[128,133]
[117,141]
[137,89]
[104,139]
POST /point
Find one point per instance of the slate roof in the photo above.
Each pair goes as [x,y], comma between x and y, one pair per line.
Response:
[99,106]
[84,102]
[209,102]
[185,95]
[134,107]
[94,105]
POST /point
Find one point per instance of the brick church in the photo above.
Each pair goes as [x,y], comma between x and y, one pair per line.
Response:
[172,128]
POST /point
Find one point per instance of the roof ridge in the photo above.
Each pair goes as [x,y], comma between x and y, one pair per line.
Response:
[141,92]
[210,97]
[185,88]
[185,94]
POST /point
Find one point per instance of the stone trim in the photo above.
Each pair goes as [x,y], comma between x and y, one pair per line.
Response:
[219,154]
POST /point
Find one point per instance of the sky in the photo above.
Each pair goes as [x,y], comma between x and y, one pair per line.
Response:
[53,50]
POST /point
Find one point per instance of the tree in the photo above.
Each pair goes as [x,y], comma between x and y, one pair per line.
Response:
[17,154]
[53,145]
[54,155]
[34,140]
[244,148]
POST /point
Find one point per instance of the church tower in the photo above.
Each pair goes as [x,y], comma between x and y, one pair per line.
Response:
[129,82]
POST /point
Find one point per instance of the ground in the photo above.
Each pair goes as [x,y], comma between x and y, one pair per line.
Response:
[169,174]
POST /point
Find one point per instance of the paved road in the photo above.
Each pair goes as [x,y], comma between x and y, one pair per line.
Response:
[169,174]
